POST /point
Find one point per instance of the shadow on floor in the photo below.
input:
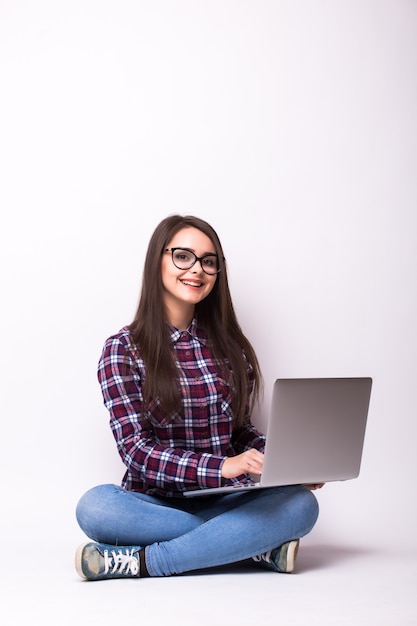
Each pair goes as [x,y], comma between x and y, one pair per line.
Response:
[310,557]
[322,556]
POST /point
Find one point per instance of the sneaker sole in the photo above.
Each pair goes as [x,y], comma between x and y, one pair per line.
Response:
[291,556]
[78,561]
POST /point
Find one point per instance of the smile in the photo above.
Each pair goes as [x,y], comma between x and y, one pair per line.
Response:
[191,283]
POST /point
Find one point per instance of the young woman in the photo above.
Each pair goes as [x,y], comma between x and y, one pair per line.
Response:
[179,383]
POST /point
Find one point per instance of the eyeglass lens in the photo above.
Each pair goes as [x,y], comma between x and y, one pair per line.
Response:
[185,259]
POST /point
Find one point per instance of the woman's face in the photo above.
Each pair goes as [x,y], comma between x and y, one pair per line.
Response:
[184,288]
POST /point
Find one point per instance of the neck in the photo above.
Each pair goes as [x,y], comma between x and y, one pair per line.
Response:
[180,319]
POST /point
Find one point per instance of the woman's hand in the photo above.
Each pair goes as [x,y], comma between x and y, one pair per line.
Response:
[249,462]
[315,486]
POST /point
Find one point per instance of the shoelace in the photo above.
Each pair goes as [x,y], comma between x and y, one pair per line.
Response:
[265,556]
[122,563]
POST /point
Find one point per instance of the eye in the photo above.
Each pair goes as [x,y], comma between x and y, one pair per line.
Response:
[210,261]
[183,256]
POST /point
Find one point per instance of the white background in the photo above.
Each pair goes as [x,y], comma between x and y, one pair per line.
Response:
[291,127]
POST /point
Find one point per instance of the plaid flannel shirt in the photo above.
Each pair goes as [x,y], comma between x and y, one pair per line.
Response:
[166,455]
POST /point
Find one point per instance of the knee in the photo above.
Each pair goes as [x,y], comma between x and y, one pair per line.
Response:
[308,507]
[302,506]
[312,503]
[91,504]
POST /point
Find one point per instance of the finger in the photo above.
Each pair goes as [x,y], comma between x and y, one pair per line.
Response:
[254,466]
[256,455]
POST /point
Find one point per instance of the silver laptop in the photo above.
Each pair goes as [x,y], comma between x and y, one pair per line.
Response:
[315,433]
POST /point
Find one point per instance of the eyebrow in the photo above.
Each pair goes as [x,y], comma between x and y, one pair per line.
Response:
[193,250]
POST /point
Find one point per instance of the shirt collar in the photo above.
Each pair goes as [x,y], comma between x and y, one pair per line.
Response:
[194,330]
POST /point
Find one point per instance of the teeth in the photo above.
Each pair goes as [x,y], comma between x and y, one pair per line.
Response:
[188,282]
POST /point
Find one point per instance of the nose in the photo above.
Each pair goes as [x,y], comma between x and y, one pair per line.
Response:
[197,267]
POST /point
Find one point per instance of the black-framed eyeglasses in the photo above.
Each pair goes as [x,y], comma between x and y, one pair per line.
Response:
[184,259]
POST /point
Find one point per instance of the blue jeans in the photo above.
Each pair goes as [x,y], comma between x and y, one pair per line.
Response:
[182,534]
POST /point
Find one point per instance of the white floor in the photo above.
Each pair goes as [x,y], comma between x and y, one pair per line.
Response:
[333,585]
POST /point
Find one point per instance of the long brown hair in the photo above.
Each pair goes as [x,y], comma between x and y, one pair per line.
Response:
[215,313]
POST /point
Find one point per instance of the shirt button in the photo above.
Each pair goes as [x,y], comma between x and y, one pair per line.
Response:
[188,352]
